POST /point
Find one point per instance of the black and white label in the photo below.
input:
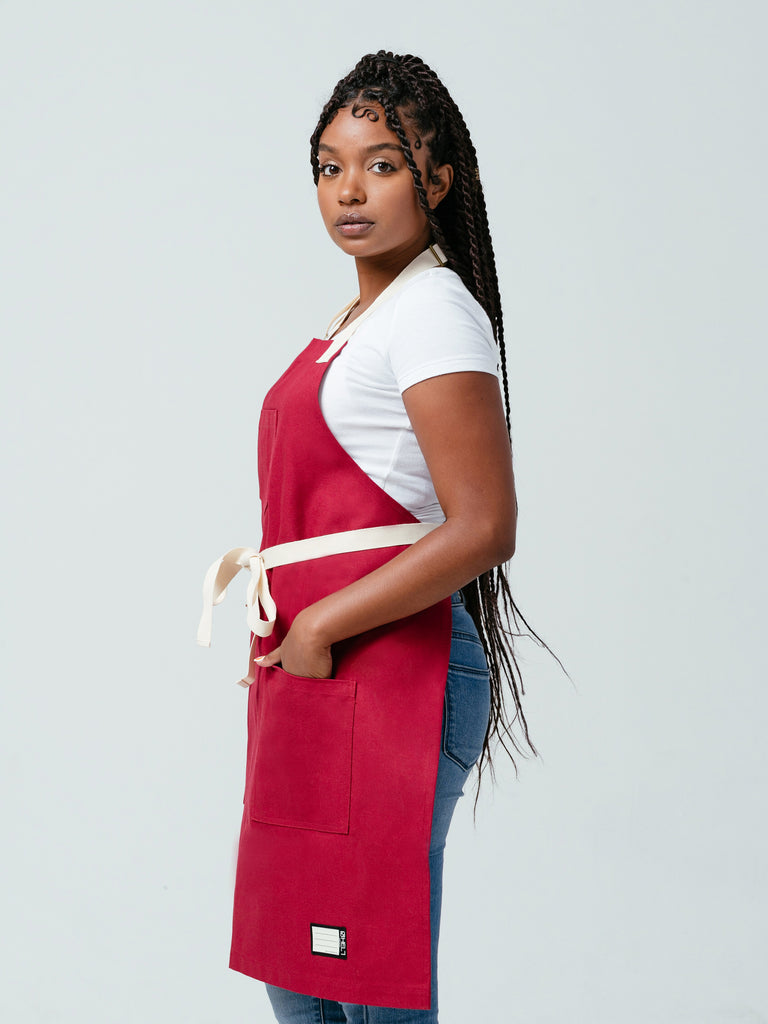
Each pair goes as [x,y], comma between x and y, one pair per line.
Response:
[329,940]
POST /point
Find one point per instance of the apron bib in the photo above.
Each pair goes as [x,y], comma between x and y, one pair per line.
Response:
[332,887]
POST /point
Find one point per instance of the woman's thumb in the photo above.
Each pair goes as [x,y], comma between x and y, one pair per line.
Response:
[268,660]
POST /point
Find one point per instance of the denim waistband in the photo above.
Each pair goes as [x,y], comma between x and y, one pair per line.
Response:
[457,598]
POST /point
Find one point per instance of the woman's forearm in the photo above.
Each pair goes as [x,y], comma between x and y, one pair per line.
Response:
[437,565]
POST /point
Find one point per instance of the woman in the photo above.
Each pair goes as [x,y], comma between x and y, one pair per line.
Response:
[388,501]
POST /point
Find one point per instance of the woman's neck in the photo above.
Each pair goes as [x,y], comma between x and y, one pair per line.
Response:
[375,273]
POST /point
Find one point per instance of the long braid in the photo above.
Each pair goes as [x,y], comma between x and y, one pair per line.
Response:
[408,89]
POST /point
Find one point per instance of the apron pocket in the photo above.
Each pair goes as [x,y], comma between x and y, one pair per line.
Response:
[266,446]
[302,771]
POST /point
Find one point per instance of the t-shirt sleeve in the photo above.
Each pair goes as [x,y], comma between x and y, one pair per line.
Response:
[438,327]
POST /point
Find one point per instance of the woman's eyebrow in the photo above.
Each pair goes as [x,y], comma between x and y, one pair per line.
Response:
[383,145]
[376,148]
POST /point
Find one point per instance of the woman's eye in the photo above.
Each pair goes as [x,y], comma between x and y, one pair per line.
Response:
[328,170]
[383,167]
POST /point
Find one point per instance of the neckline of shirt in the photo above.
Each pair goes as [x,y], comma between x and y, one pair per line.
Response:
[427,260]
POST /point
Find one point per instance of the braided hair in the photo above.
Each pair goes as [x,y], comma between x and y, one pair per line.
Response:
[410,92]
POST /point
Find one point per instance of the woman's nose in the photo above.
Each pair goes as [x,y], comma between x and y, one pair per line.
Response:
[351,188]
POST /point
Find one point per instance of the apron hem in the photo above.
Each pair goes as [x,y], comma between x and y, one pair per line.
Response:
[408,997]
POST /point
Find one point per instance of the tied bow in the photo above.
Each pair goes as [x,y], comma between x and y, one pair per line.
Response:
[258,597]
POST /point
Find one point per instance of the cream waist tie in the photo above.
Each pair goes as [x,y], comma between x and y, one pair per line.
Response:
[258,597]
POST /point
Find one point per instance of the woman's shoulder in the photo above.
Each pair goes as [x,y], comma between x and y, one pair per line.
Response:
[439,296]
[435,282]
[436,326]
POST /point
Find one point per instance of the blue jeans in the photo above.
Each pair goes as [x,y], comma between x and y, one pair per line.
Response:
[465,720]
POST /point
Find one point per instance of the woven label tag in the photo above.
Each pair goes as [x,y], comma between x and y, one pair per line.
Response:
[329,940]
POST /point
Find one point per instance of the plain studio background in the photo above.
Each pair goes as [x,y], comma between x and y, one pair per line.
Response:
[162,261]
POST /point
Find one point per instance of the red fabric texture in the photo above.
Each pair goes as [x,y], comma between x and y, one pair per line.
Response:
[341,773]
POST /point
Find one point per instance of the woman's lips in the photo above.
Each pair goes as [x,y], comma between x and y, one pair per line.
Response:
[351,227]
[354,227]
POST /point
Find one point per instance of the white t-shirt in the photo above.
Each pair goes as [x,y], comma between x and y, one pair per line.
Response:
[431,326]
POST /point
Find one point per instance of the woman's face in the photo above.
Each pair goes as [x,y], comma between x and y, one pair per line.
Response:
[366,193]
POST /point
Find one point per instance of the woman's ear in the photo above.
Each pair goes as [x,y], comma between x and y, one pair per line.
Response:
[440,181]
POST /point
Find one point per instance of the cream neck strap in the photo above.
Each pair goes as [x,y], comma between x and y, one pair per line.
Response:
[431,257]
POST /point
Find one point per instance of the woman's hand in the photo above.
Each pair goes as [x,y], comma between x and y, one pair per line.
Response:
[302,652]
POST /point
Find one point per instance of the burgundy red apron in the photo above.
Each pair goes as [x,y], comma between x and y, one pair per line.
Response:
[332,888]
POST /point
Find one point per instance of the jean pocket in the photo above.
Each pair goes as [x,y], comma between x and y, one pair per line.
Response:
[467,701]
[302,765]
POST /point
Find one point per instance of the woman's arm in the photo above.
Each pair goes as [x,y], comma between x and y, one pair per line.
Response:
[458,419]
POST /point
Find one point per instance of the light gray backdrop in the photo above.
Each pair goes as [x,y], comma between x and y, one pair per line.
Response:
[162,260]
